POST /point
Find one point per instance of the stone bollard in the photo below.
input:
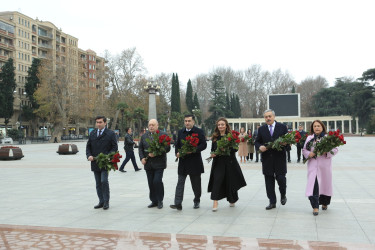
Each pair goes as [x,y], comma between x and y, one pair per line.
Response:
[10,153]
[67,149]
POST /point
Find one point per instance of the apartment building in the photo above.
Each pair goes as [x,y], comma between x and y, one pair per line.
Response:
[24,38]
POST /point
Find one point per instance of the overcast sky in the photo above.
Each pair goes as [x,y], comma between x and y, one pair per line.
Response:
[331,38]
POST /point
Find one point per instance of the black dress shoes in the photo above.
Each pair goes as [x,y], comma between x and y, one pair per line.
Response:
[160,204]
[178,207]
[315,211]
[283,200]
[106,205]
[196,205]
[100,205]
[152,205]
[270,206]
[138,169]
[121,170]
[324,207]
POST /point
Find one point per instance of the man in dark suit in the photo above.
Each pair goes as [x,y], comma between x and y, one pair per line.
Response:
[191,164]
[299,145]
[273,161]
[154,165]
[101,140]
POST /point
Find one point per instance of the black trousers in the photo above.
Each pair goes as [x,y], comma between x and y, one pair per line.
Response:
[270,186]
[250,156]
[316,200]
[299,149]
[155,184]
[288,154]
[195,184]
[129,156]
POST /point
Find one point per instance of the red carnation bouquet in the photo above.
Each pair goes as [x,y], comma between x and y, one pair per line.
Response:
[158,144]
[226,144]
[249,139]
[326,144]
[289,138]
[189,145]
[108,161]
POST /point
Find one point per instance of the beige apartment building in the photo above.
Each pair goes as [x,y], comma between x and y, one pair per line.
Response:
[24,38]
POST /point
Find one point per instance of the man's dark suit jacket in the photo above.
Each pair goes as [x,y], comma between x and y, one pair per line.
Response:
[191,164]
[273,161]
[105,143]
[157,162]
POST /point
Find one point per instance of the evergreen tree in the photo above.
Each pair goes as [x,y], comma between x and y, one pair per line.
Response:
[238,107]
[218,102]
[196,102]
[173,94]
[294,89]
[233,104]
[178,98]
[189,97]
[32,82]
[7,87]
[228,107]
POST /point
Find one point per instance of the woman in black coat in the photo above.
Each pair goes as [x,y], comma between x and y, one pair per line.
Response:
[226,177]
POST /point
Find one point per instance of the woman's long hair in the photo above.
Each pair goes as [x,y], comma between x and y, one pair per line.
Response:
[216,133]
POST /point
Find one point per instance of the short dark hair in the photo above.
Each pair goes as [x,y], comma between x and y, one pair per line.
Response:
[101,117]
[127,129]
[321,124]
[190,115]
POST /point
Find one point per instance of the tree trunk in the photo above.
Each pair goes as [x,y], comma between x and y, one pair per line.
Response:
[114,122]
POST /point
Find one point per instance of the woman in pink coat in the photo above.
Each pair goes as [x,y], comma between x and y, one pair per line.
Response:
[319,169]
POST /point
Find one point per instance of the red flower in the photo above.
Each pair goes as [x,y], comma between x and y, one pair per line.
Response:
[229,138]
[330,133]
[297,140]
[242,139]
[157,131]
[194,135]
[238,141]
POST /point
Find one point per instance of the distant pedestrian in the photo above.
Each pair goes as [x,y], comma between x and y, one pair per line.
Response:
[299,145]
[242,146]
[129,151]
[250,146]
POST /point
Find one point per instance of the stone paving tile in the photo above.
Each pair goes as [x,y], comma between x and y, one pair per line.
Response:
[47,189]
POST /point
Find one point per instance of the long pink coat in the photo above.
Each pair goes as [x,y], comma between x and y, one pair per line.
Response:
[321,167]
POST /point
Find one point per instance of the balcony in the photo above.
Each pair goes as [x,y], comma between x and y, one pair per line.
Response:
[45,35]
[6,34]
[6,46]
[5,58]
[44,45]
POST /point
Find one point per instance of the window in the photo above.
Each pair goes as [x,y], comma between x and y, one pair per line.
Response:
[19,20]
[22,21]
[19,44]
[19,55]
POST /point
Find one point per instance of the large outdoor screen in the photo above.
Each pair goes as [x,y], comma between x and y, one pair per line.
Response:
[285,104]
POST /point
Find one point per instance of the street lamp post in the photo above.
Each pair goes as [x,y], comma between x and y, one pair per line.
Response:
[152,88]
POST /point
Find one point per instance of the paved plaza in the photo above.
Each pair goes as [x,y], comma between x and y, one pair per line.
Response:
[45,189]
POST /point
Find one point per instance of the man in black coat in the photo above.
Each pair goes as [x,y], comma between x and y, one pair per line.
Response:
[154,165]
[273,161]
[191,164]
[101,140]
[299,145]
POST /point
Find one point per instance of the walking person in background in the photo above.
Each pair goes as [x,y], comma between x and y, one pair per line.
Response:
[242,146]
[226,176]
[299,145]
[273,161]
[319,169]
[101,140]
[250,146]
[129,151]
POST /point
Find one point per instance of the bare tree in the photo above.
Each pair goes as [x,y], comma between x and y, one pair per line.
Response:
[307,89]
